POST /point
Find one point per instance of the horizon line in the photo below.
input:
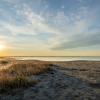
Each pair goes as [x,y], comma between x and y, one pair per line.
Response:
[49,56]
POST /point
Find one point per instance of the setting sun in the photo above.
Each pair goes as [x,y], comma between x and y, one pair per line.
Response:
[2,47]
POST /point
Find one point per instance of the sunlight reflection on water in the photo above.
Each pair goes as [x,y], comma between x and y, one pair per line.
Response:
[59,58]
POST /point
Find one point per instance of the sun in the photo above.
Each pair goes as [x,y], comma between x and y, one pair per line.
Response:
[2,47]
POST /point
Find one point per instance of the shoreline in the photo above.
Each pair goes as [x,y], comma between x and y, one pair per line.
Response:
[59,58]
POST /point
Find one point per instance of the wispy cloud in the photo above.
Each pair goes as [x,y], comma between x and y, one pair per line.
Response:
[80,41]
[64,28]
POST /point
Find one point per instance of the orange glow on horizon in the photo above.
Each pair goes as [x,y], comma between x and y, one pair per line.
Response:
[47,53]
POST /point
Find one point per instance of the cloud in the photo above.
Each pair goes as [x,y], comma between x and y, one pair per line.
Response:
[80,1]
[76,33]
[36,21]
[11,1]
[80,41]
[33,23]
[16,29]
[69,30]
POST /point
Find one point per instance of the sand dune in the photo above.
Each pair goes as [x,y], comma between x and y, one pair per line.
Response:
[72,80]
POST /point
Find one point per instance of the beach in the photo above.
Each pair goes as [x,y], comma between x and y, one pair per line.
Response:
[50,80]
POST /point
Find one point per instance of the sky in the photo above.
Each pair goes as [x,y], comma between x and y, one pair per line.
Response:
[49,27]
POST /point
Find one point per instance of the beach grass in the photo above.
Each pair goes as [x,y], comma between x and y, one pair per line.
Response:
[18,75]
[4,62]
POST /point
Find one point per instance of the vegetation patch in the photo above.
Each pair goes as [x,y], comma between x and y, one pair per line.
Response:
[4,62]
[18,75]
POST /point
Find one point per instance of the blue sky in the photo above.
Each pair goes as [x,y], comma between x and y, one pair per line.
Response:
[50,26]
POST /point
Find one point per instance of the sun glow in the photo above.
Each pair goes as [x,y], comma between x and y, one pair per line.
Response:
[2,47]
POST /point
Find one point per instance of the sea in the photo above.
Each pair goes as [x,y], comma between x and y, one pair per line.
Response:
[61,58]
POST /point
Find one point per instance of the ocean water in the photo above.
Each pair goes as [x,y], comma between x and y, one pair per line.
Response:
[61,58]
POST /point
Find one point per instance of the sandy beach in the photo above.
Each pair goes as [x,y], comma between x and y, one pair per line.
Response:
[65,80]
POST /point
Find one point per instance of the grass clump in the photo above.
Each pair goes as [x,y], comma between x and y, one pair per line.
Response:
[4,62]
[18,75]
[15,82]
[29,69]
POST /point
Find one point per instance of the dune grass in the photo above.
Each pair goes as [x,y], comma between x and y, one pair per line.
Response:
[4,62]
[18,75]
[15,82]
[28,69]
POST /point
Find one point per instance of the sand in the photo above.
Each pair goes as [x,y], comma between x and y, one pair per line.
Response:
[72,80]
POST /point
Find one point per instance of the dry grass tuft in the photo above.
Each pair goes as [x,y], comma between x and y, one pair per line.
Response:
[15,82]
[28,69]
[18,75]
[4,62]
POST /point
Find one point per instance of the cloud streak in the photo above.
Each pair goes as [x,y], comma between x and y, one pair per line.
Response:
[66,28]
[80,41]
